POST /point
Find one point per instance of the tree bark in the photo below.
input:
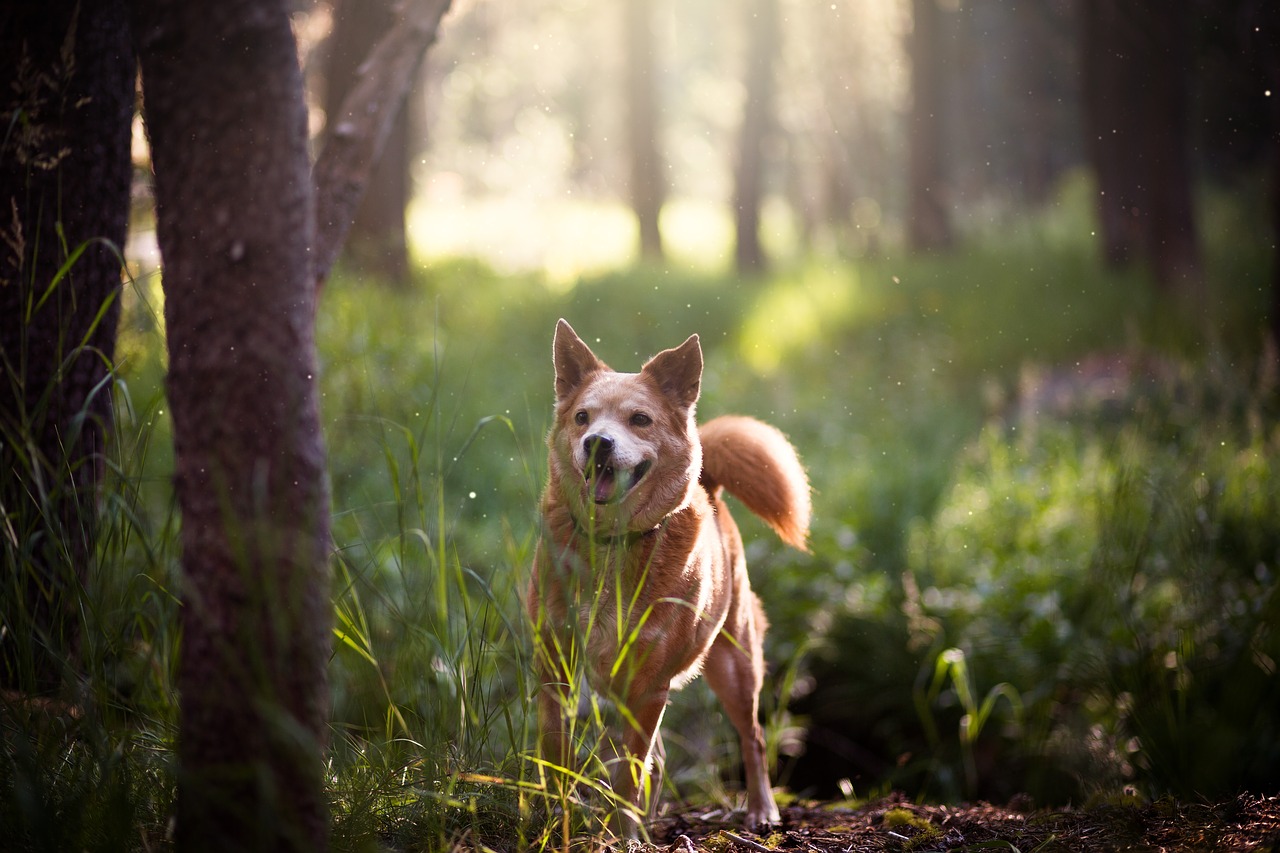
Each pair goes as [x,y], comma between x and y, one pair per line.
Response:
[377,242]
[235,222]
[763,43]
[66,103]
[928,224]
[648,185]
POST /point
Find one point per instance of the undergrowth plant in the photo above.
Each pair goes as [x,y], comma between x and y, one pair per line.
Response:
[1113,561]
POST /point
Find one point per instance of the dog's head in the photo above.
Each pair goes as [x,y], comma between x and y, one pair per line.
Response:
[624,447]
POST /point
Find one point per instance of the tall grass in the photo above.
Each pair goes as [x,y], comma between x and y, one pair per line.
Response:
[1114,565]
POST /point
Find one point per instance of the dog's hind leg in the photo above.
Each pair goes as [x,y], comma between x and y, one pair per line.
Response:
[735,671]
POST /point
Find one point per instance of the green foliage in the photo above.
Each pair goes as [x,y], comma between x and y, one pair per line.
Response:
[1120,574]
[1034,481]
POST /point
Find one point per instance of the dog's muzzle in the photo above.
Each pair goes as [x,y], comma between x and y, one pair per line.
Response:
[603,476]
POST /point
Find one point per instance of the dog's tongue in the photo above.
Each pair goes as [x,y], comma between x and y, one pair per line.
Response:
[604,481]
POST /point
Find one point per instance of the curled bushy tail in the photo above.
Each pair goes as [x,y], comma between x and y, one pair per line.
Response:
[756,464]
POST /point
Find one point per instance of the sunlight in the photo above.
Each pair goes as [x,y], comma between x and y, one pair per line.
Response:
[795,311]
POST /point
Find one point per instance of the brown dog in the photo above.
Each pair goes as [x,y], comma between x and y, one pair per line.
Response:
[640,573]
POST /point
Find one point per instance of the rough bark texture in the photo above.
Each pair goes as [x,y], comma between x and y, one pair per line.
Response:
[351,146]
[235,221]
[928,225]
[66,102]
[648,184]
[763,43]
[377,242]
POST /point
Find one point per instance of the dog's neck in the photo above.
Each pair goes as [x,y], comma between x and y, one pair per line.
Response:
[625,539]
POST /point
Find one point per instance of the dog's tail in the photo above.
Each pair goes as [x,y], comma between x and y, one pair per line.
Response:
[756,464]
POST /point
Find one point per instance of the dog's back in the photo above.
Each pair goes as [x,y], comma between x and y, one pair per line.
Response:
[756,464]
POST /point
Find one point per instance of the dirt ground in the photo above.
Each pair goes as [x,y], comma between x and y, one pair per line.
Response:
[1247,823]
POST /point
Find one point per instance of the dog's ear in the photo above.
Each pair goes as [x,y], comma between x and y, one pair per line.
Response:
[678,371]
[574,360]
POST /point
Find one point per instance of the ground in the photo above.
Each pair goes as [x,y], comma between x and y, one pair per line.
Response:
[1247,823]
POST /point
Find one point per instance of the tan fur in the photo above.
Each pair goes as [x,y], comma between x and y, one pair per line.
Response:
[640,572]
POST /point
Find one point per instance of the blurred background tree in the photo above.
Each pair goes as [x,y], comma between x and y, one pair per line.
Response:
[924,121]
[377,242]
[648,181]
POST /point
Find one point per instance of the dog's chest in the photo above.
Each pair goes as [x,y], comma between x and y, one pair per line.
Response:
[647,620]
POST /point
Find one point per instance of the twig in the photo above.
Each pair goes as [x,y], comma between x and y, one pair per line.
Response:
[745,842]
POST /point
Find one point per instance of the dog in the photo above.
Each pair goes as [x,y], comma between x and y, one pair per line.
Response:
[639,575]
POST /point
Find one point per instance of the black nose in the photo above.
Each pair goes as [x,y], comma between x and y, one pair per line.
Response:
[598,448]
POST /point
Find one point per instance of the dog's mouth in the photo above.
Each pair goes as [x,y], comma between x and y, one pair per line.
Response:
[609,483]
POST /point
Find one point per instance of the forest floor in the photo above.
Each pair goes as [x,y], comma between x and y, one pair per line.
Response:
[1247,823]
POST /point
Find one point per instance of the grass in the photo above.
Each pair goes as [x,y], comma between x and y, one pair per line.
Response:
[901,380]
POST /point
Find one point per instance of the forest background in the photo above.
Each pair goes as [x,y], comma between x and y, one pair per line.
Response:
[1005,273]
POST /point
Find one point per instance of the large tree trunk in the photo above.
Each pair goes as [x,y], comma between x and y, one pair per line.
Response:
[235,221]
[928,225]
[648,184]
[763,43]
[66,103]
[377,242]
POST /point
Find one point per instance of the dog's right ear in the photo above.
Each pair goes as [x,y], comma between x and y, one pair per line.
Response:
[574,360]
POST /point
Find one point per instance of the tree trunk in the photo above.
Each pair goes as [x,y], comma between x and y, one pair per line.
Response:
[928,225]
[763,43]
[377,242]
[1137,66]
[351,147]
[66,103]
[1268,46]
[235,222]
[1108,97]
[648,184]
[1168,220]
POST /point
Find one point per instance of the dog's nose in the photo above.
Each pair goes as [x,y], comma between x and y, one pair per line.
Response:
[598,447]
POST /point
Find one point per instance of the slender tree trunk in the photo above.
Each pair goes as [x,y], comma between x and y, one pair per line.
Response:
[377,242]
[1274,313]
[1268,44]
[763,43]
[236,221]
[648,184]
[1111,132]
[928,224]
[66,103]
[1170,237]
[1137,67]
[350,148]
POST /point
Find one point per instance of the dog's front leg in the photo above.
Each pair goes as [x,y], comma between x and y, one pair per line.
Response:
[553,730]
[632,779]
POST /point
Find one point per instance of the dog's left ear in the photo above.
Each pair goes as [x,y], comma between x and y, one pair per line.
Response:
[678,371]
[574,360]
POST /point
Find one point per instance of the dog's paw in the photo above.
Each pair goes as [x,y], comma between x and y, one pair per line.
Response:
[762,817]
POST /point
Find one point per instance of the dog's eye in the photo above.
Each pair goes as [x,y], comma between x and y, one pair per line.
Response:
[581,418]
[640,419]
